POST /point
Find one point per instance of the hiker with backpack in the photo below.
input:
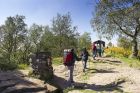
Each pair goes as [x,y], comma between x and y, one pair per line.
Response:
[94,50]
[69,60]
[84,57]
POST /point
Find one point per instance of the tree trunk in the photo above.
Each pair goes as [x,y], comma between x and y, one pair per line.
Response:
[134,48]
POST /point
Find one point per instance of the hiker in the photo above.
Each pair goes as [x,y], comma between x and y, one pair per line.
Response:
[84,57]
[102,50]
[94,50]
[69,62]
[99,50]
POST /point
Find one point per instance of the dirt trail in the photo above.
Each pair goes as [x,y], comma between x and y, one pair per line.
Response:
[105,75]
[19,82]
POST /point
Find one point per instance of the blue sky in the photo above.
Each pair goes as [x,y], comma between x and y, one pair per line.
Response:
[42,11]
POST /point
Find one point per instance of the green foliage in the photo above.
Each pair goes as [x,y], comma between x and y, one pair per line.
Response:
[65,34]
[36,32]
[23,66]
[68,89]
[132,62]
[110,44]
[124,42]
[4,66]
[84,41]
[57,61]
[14,31]
[88,91]
[117,52]
[18,41]
[31,74]
[120,17]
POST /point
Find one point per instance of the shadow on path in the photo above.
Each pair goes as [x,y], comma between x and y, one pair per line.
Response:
[63,84]
[17,82]
[101,71]
[112,62]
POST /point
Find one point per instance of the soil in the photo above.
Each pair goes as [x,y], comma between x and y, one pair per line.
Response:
[106,75]
[19,82]
[103,75]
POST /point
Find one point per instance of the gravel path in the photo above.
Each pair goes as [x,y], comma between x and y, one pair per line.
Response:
[19,82]
[105,75]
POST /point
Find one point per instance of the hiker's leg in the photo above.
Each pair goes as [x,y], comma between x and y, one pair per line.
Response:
[70,79]
[85,64]
[71,73]
[94,54]
[68,73]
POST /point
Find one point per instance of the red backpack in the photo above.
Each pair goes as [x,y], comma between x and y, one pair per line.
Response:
[94,48]
[68,59]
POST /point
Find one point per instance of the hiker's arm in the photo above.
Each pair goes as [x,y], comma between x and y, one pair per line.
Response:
[76,57]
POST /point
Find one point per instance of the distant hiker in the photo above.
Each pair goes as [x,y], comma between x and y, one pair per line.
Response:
[102,49]
[84,57]
[69,60]
[99,51]
[94,50]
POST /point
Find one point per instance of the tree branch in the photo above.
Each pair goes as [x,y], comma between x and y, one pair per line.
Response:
[124,31]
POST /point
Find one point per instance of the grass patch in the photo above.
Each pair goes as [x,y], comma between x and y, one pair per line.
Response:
[22,66]
[88,91]
[85,77]
[57,61]
[68,89]
[132,62]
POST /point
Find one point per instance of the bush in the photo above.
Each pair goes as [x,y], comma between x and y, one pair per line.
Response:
[57,61]
[22,66]
[4,66]
[117,51]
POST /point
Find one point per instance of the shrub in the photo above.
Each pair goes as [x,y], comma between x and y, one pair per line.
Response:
[57,61]
[4,66]
[22,66]
[117,51]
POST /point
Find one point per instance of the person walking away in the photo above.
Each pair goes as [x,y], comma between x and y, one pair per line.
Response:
[84,57]
[94,50]
[69,62]
[98,50]
[102,48]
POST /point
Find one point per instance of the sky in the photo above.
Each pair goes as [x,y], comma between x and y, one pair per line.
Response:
[42,12]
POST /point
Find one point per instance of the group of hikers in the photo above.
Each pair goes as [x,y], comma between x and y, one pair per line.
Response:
[70,57]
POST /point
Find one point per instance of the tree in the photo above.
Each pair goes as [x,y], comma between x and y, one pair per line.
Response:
[65,34]
[119,17]
[85,41]
[36,33]
[124,42]
[49,41]
[14,32]
[110,44]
